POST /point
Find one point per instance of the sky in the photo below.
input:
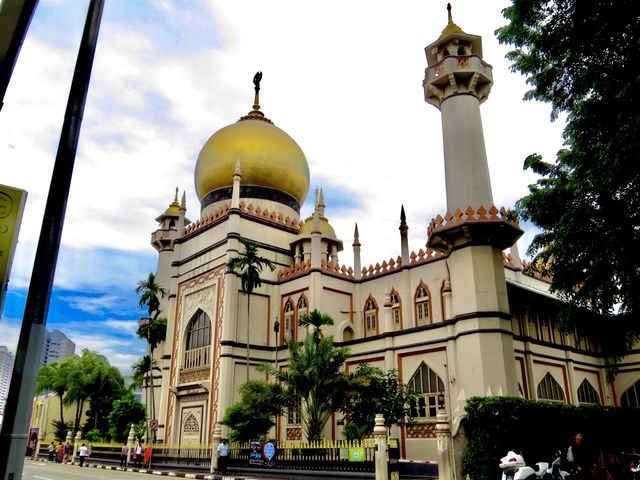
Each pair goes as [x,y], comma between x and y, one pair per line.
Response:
[343,78]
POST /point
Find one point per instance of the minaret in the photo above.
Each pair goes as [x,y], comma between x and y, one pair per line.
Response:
[472,234]
[357,268]
[404,238]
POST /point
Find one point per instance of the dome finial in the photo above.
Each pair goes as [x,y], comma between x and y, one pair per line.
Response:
[256,82]
[176,197]
[449,12]
[451,27]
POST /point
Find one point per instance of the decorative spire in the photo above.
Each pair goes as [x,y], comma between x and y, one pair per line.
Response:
[356,237]
[404,239]
[183,203]
[256,114]
[451,27]
[175,200]
[321,204]
[315,205]
[403,217]
[357,273]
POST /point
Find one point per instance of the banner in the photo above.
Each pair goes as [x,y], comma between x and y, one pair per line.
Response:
[12,202]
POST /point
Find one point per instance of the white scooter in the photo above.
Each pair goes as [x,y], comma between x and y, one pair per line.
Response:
[546,471]
[515,468]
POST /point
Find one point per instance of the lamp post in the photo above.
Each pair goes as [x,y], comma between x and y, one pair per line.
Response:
[276,329]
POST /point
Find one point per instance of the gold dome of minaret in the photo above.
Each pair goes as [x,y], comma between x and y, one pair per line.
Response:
[273,164]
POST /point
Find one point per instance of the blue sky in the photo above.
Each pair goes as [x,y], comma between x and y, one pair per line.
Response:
[342,78]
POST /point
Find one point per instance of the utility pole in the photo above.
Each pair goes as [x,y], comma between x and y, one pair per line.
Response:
[14,435]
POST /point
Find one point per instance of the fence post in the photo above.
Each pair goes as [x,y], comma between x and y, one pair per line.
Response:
[215,441]
[76,441]
[443,435]
[380,436]
[130,439]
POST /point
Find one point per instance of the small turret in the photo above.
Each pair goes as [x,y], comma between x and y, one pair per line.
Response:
[357,266]
[172,221]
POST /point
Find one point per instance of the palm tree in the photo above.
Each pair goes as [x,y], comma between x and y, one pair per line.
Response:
[140,370]
[249,265]
[314,376]
[54,377]
[152,328]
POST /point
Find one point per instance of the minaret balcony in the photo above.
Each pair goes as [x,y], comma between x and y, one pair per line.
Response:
[456,75]
[498,228]
[164,239]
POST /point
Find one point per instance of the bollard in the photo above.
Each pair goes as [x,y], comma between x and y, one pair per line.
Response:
[380,437]
[76,441]
[215,441]
[130,439]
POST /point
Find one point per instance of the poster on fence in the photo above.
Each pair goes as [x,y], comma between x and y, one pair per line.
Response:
[356,454]
[262,454]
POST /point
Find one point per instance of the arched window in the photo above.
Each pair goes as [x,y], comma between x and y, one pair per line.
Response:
[631,396]
[198,342]
[301,310]
[587,394]
[370,318]
[294,412]
[426,382]
[396,313]
[422,305]
[549,389]
[289,320]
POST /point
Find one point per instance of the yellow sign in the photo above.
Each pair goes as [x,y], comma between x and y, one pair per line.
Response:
[11,206]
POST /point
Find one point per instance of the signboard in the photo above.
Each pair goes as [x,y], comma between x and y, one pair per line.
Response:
[356,455]
[32,444]
[262,454]
[153,425]
[11,207]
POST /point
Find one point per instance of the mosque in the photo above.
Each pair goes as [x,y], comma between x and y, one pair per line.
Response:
[457,319]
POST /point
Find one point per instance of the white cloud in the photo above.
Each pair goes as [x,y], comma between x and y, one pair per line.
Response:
[342,78]
[92,305]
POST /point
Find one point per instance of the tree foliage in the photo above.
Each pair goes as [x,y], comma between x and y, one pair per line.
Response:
[314,378]
[583,57]
[254,415]
[376,391]
[125,412]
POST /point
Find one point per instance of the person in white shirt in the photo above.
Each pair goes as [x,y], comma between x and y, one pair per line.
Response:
[137,455]
[82,453]
[223,456]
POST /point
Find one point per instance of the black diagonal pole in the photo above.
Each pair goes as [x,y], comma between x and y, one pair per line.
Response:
[13,438]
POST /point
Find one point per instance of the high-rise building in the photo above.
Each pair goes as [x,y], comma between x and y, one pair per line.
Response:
[56,346]
[6,367]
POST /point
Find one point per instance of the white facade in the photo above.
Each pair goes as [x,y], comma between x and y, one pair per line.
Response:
[56,346]
[6,368]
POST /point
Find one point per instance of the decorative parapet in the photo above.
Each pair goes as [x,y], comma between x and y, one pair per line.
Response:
[381,269]
[507,259]
[471,215]
[209,219]
[294,270]
[499,228]
[188,376]
[273,217]
[335,269]
[424,257]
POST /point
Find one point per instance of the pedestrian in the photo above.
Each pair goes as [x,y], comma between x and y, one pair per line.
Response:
[60,452]
[124,451]
[52,450]
[68,452]
[579,458]
[137,455]
[82,453]
[223,456]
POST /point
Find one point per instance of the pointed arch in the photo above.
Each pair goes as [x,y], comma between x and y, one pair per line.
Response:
[302,308]
[396,309]
[197,341]
[550,389]
[288,320]
[422,302]
[429,385]
[347,334]
[370,317]
[587,394]
[631,396]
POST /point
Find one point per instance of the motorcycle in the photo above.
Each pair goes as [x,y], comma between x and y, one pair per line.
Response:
[546,471]
[515,468]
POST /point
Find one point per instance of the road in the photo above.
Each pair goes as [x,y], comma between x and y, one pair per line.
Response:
[54,471]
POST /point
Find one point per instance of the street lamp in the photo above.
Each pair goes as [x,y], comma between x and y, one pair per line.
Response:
[276,329]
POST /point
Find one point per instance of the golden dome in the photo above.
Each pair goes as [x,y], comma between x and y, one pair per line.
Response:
[325,227]
[269,159]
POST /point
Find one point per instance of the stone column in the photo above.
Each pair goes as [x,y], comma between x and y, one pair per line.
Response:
[380,437]
[443,436]
[76,441]
[216,438]
[130,442]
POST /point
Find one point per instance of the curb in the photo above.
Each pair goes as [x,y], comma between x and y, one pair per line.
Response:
[162,473]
